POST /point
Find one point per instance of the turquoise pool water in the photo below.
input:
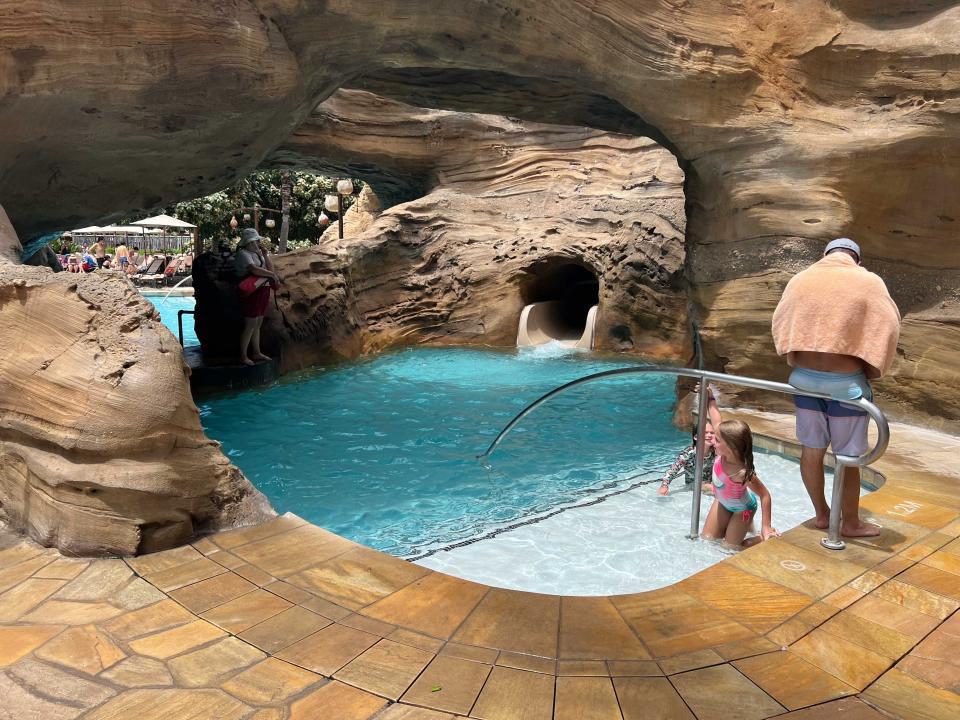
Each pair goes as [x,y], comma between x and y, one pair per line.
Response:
[168,314]
[384,451]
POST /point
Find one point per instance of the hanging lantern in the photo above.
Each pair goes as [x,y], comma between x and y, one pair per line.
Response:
[233,222]
[330,202]
[345,187]
[246,217]
[270,223]
[323,219]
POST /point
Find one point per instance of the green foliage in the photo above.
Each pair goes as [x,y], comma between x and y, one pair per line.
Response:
[212,213]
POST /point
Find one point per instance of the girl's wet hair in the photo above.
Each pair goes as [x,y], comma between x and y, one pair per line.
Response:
[693,430]
[736,434]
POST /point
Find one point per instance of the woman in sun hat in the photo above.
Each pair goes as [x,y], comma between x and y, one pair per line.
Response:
[257,279]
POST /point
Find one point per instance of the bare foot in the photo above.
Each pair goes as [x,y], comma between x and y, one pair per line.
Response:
[261,357]
[863,529]
[247,361]
[822,523]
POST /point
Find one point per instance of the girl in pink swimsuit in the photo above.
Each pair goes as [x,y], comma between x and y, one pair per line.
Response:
[736,487]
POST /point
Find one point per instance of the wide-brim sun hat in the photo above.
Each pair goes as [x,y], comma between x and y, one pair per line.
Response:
[247,236]
[842,244]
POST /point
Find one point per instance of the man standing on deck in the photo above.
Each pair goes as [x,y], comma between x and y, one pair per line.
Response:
[838,327]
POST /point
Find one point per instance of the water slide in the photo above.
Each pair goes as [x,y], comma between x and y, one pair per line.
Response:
[544,322]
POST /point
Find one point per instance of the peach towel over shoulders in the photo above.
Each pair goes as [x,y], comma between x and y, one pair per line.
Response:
[837,306]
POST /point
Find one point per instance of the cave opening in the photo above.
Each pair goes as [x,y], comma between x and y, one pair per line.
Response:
[558,299]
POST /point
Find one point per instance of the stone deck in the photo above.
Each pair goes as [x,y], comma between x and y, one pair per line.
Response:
[286,620]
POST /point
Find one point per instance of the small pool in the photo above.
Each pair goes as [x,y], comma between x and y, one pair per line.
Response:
[169,307]
[383,452]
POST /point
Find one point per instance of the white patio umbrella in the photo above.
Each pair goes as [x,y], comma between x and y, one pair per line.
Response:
[165,221]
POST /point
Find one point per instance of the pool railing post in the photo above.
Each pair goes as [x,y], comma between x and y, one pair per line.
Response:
[833,541]
[702,403]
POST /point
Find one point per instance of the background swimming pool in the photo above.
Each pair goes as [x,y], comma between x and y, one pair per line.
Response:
[168,315]
[384,451]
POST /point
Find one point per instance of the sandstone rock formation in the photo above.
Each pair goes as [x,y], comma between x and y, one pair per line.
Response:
[101,449]
[509,211]
[793,122]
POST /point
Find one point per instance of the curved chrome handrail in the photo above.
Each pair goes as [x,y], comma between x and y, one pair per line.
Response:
[833,541]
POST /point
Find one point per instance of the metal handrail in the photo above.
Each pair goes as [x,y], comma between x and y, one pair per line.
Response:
[832,541]
[180,314]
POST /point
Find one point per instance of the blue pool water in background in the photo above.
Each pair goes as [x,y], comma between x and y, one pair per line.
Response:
[168,314]
[383,451]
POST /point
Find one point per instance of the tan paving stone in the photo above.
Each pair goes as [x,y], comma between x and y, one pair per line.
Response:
[758,604]
[890,567]
[746,648]
[86,649]
[690,661]
[817,614]
[21,599]
[798,568]
[720,693]
[358,577]
[409,637]
[844,709]
[270,681]
[102,580]
[326,608]
[470,652]
[591,628]
[362,622]
[137,672]
[512,694]
[388,668]
[517,621]
[918,599]
[329,649]
[284,629]
[948,562]
[164,560]
[177,640]
[931,579]
[843,597]
[449,684]
[290,552]
[55,684]
[644,698]
[205,546]
[16,574]
[582,668]
[68,612]
[234,538]
[633,668]
[23,705]
[254,574]
[533,663]
[851,663]
[789,632]
[19,640]
[270,714]
[409,712]
[246,611]
[902,507]
[869,581]
[213,663]
[670,622]
[182,575]
[19,553]
[585,698]
[893,615]
[336,700]
[436,604]
[293,594]
[943,674]
[903,695]
[865,552]
[137,594]
[791,680]
[170,704]
[228,560]
[866,633]
[160,616]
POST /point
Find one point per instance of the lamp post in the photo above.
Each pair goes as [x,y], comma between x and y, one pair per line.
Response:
[334,203]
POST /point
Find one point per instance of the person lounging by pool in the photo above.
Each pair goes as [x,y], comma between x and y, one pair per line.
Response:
[737,489]
[686,463]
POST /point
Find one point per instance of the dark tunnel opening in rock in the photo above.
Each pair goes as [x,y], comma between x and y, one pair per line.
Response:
[558,299]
